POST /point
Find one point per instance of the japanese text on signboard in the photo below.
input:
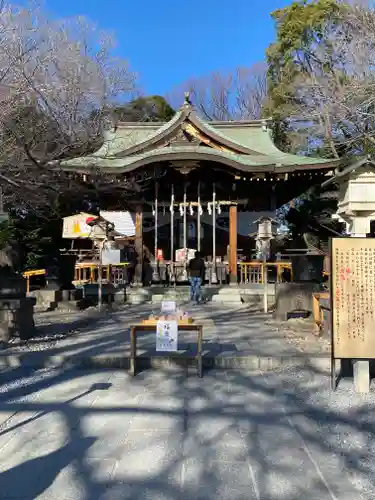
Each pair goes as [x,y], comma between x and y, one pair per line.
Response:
[353,291]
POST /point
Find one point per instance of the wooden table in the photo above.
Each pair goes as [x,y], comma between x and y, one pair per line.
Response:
[150,326]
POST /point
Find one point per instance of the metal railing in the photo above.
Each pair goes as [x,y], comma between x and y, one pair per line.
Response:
[255,272]
[29,274]
[88,272]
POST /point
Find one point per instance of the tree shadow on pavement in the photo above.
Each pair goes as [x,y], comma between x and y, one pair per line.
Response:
[166,434]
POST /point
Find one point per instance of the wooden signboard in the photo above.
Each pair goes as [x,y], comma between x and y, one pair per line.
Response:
[352,297]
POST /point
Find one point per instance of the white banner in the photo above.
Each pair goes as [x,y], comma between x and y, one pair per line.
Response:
[167,336]
[75,226]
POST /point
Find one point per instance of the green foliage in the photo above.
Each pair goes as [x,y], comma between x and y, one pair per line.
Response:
[39,240]
[149,109]
[6,232]
[39,234]
[300,27]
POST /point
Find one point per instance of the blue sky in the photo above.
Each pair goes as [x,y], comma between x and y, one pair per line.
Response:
[168,42]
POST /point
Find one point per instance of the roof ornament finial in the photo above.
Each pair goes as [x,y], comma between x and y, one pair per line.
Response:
[187,101]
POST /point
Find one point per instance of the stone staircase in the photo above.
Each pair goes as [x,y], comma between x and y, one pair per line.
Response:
[179,294]
[225,294]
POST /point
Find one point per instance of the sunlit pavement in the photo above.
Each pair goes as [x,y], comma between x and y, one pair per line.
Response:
[169,435]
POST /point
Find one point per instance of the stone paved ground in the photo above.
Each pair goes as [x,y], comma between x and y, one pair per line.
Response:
[228,331]
[164,435]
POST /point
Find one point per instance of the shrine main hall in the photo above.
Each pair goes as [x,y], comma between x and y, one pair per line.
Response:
[209,182]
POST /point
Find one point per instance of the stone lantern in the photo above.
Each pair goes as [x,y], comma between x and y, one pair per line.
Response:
[16,310]
[264,237]
[356,204]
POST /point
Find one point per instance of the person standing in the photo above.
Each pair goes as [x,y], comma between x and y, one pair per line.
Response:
[197,271]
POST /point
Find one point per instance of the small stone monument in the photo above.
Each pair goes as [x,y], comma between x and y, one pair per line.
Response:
[16,310]
[295,299]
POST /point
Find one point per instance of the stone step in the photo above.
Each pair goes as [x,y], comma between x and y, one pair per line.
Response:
[38,360]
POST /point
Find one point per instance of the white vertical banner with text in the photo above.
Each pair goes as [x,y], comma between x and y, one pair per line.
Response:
[166,335]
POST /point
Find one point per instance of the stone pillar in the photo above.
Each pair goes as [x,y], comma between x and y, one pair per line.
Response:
[233,244]
[359,227]
[138,246]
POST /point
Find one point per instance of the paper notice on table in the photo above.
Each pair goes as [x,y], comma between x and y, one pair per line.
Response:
[166,336]
[168,306]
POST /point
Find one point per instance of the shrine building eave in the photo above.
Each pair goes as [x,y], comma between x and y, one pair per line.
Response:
[272,163]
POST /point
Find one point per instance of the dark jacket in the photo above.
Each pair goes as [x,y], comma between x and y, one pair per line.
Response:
[197,269]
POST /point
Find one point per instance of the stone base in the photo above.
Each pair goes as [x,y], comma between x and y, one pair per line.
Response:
[16,318]
[361,372]
[120,296]
[138,295]
[228,295]
[73,294]
[46,298]
[91,291]
[292,297]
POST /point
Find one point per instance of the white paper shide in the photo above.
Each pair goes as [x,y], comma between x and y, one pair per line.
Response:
[166,335]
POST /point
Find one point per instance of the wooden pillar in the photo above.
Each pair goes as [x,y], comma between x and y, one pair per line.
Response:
[233,244]
[138,246]
[198,218]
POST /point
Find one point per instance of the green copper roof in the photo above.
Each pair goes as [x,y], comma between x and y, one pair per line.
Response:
[246,163]
[254,137]
[124,137]
[132,145]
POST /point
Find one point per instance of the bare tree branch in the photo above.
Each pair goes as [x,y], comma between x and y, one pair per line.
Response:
[335,98]
[58,78]
[235,95]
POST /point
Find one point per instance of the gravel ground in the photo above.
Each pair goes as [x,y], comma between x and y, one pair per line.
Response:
[299,333]
[342,422]
[53,326]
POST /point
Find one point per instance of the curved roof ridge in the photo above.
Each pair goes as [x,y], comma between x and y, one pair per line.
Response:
[260,122]
[187,112]
[153,137]
[219,136]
